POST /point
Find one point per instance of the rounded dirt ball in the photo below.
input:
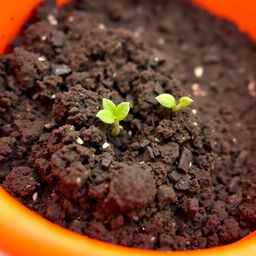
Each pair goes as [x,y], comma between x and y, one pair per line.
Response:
[131,187]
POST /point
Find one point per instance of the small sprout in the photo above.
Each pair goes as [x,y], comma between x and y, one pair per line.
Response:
[168,101]
[112,114]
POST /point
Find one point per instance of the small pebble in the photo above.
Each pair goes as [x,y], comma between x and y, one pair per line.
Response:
[106,161]
[58,39]
[175,176]
[145,143]
[34,196]
[234,184]
[53,96]
[61,69]
[79,141]
[105,145]
[183,183]
[130,133]
[49,125]
[149,154]
[156,151]
[241,159]
[185,160]
[199,71]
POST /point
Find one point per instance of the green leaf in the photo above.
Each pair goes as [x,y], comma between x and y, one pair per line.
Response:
[185,101]
[106,116]
[109,105]
[122,110]
[166,100]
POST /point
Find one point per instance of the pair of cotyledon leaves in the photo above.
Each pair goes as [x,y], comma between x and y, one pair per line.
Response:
[168,101]
[112,113]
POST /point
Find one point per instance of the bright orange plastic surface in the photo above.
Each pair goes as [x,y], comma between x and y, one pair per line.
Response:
[23,232]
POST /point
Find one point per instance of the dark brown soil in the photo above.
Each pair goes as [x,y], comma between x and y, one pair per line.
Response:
[168,182]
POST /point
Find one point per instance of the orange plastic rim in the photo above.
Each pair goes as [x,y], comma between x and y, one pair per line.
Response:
[23,232]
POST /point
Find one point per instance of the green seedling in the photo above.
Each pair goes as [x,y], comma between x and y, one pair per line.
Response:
[168,101]
[112,114]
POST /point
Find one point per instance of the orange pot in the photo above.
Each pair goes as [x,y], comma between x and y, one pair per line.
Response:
[23,232]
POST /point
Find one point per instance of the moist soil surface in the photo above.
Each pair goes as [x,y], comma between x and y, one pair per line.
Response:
[167,182]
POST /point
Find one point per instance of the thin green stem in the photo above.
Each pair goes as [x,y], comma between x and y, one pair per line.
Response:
[176,108]
[116,129]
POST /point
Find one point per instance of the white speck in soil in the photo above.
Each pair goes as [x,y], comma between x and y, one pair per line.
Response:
[34,196]
[130,133]
[52,20]
[142,162]
[72,127]
[195,123]
[41,59]
[78,180]
[102,26]
[199,71]
[135,218]
[156,139]
[161,41]
[197,90]
[43,38]
[194,111]
[71,18]
[105,145]
[234,140]
[79,141]
[53,96]
[252,88]
[153,238]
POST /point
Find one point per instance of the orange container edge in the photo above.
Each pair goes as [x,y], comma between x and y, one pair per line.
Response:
[25,233]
